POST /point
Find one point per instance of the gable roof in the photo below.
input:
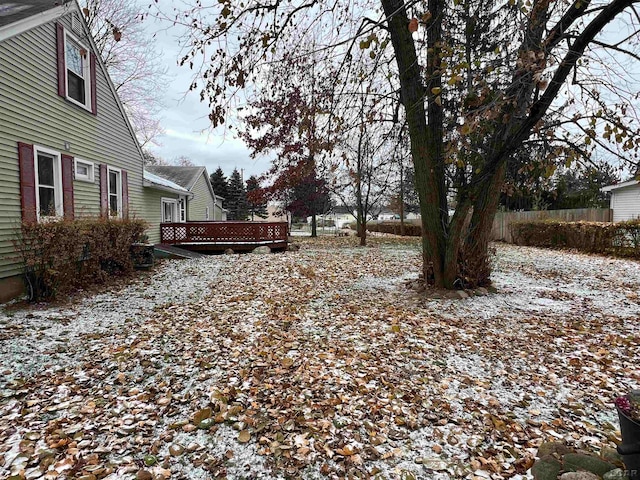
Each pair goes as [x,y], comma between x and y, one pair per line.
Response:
[629,183]
[14,22]
[159,183]
[186,177]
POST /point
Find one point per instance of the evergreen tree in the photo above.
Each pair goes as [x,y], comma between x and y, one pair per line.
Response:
[256,203]
[237,198]
[219,183]
[580,187]
[310,197]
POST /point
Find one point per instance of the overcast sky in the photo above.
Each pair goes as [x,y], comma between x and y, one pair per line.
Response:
[185,119]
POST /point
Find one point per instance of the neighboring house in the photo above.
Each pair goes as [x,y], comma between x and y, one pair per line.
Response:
[342,216]
[625,200]
[202,205]
[165,201]
[386,215]
[338,217]
[66,145]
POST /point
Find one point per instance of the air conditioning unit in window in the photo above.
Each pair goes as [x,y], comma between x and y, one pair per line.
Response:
[76,24]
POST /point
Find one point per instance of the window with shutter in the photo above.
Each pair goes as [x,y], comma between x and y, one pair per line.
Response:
[48,171]
[114,192]
[46,183]
[76,70]
[27,183]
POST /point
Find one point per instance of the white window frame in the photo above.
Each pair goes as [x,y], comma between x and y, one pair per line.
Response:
[86,72]
[174,207]
[118,191]
[182,210]
[90,177]
[57,182]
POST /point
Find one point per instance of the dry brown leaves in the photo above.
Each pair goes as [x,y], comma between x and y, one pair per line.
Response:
[318,362]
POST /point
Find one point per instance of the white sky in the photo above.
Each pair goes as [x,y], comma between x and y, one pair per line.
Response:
[185,120]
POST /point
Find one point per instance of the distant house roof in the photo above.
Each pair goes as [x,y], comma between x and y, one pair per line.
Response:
[186,177]
[628,183]
[341,209]
[154,181]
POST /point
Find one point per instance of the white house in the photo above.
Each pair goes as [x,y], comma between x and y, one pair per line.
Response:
[625,200]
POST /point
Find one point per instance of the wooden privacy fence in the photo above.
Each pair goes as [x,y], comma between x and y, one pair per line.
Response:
[502,222]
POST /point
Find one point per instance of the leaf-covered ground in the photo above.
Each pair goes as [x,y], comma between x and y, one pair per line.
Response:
[319,364]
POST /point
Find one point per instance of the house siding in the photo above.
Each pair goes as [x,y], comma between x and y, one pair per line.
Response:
[219,214]
[153,211]
[34,113]
[202,198]
[625,203]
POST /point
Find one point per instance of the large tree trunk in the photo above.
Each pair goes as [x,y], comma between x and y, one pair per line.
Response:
[425,139]
[455,255]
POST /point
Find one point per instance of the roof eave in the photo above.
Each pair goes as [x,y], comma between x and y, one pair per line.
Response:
[29,23]
[629,183]
[165,188]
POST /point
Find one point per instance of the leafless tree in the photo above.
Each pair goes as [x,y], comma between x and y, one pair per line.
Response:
[134,64]
[472,95]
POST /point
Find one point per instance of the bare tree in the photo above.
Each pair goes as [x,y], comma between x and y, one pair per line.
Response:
[534,69]
[183,161]
[134,65]
[364,165]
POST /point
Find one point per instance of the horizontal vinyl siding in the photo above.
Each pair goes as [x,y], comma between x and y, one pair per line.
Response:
[197,206]
[153,211]
[625,203]
[86,196]
[34,113]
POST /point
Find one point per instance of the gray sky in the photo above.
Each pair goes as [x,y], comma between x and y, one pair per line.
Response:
[185,119]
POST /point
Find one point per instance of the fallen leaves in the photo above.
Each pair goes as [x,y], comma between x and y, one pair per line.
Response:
[298,363]
[244,436]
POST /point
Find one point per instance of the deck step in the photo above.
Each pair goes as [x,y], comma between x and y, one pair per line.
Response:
[169,251]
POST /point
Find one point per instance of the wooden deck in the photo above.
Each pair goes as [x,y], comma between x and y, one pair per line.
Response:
[219,236]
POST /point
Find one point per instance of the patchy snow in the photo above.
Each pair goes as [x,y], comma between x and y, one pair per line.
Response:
[45,337]
[163,182]
[323,365]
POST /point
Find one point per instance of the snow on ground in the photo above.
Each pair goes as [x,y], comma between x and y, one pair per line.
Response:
[319,364]
[44,337]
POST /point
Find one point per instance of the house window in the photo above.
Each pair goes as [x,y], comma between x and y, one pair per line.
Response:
[48,183]
[206,213]
[115,192]
[84,170]
[78,73]
[182,206]
[169,210]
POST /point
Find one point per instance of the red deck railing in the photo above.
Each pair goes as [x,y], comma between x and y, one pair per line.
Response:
[262,233]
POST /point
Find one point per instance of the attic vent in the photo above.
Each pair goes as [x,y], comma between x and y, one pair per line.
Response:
[76,25]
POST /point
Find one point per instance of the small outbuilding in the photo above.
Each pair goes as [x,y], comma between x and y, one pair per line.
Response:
[625,200]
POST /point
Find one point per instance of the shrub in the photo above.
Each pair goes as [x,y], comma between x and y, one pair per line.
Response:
[61,256]
[410,229]
[619,239]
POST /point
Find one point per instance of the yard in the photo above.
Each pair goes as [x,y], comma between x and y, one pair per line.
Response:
[319,364]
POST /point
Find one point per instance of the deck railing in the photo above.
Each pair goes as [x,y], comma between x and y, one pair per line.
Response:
[223,232]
